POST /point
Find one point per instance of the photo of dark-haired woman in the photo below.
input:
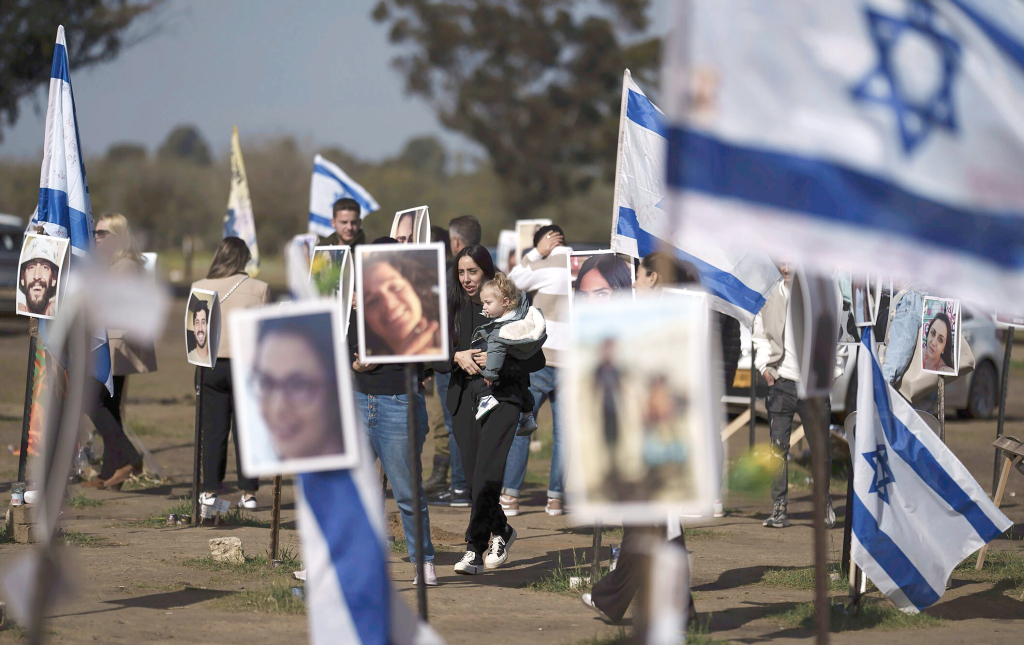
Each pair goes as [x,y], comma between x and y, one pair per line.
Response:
[940,341]
[597,275]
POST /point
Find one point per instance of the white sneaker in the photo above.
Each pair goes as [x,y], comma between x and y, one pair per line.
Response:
[470,564]
[299,575]
[429,575]
[509,505]
[497,555]
[249,503]
[487,404]
[588,600]
[207,499]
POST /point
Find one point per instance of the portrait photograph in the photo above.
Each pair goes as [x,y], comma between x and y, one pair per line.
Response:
[940,336]
[292,389]
[598,275]
[411,226]
[525,230]
[42,275]
[202,327]
[327,269]
[402,303]
[639,409]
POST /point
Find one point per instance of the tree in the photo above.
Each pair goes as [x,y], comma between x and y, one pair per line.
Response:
[126,152]
[537,83]
[186,144]
[426,154]
[95,31]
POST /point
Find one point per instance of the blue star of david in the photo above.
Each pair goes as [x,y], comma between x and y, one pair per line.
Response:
[879,461]
[916,118]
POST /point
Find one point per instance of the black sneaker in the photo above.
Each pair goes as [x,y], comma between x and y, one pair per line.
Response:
[453,497]
[527,425]
[497,555]
[830,514]
[470,564]
[778,519]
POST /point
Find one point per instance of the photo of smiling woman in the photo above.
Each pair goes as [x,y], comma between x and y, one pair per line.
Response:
[940,341]
[294,394]
[401,303]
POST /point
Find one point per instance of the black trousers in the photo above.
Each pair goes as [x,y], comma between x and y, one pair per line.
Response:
[782,404]
[105,413]
[484,449]
[614,593]
[218,421]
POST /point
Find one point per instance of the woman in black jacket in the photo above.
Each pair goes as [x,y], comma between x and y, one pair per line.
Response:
[484,446]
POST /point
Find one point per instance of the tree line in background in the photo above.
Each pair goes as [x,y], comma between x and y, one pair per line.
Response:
[181,190]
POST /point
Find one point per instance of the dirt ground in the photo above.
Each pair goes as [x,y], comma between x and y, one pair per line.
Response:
[140,582]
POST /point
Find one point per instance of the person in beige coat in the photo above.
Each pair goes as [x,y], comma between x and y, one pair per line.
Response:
[115,245]
[236,290]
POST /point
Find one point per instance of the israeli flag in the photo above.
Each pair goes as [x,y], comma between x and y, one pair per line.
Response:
[738,283]
[64,209]
[240,221]
[917,511]
[348,594]
[329,184]
[885,135]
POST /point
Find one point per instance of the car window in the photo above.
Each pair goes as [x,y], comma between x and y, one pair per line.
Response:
[967,315]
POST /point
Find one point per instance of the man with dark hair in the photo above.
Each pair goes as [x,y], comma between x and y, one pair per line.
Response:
[542,233]
[464,231]
[348,226]
[201,330]
[38,280]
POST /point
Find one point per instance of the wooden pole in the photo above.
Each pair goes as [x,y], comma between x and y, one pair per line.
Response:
[275,520]
[1004,377]
[26,419]
[998,499]
[753,395]
[818,425]
[595,566]
[411,390]
[942,408]
[197,461]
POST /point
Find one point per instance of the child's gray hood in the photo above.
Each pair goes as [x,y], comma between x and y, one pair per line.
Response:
[528,329]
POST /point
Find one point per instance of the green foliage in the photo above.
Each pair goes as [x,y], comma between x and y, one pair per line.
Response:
[254,566]
[94,29]
[275,598]
[81,501]
[76,538]
[873,615]
[537,83]
[558,580]
[802,578]
[185,143]
[1000,567]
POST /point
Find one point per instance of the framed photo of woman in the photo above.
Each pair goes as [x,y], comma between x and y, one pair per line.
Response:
[402,303]
[940,336]
[292,389]
[598,275]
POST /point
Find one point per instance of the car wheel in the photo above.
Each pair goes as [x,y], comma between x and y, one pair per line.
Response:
[984,393]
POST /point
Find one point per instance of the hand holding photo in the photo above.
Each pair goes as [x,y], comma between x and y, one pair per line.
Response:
[940,336]
[402,303]
[293,390]
[202,327]
[42,275]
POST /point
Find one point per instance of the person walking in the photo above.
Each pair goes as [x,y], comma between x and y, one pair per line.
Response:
[775,359]
[544,275]
[236,290]
[382,407]
[115,245]
[484,445]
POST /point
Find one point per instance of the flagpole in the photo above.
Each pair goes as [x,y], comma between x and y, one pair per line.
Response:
[26,420]
[197,459]
[1005,378]
[626,75]
[818,424]
[411,390]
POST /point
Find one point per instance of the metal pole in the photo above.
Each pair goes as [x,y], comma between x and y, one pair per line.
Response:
[23,456]
[942,408]
[197,461]
[275,520]
[753,395]
[848,514]
[1004,385]
[411,390]
[595,566]
[818,425]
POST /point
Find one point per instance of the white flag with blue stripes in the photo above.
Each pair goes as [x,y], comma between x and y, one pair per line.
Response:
[738,283]
[880,135]
[917,511]
[328,185]
[348,593]
[64,209]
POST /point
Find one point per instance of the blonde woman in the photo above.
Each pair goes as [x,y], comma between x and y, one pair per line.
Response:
[116,247]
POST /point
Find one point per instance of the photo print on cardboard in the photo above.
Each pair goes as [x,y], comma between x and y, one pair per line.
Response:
[525,230]
[402,303]
[42,275]
[598,275]
[411,226]
[293,389]
[202,327]
[940,336]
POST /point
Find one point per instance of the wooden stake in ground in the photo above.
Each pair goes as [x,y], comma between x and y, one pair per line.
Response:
[595,566]
[197,461]
[275,520]
[26,419]
[818,424]
[753,395]
[1004,384]
[411,390]
[1014,451]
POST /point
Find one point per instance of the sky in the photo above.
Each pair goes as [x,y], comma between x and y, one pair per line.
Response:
[318,70]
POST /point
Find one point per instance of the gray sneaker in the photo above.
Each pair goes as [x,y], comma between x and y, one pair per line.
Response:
[778,518]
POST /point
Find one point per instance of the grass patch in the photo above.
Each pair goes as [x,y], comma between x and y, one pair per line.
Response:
[275,598]
[81,501]
[609,534]
[696,636]
[236,517]
[75,538]
[701,533]
[557,580]
[803,578]
[1000,566]
[873,615]
[142,428]
[253,566]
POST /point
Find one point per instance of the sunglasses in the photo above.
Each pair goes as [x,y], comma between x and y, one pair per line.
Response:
[100,234]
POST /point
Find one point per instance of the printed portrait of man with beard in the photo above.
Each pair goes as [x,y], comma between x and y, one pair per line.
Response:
[38,277]
[200,310]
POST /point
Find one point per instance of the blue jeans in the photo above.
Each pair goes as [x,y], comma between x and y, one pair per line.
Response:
[386,419]
[904,334]
[458,474]
[543,386]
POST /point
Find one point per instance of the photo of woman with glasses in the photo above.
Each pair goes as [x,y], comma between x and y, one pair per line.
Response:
[295,391]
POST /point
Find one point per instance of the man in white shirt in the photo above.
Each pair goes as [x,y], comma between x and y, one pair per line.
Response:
[776,361]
